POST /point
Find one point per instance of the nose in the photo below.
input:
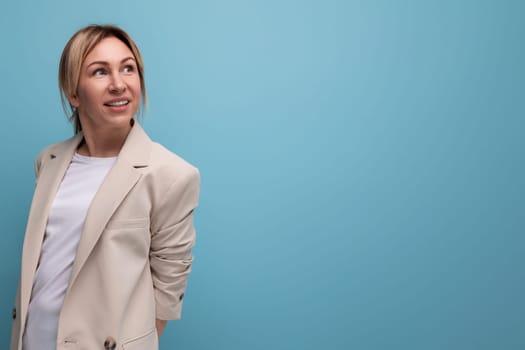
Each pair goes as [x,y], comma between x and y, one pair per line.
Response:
[117,84]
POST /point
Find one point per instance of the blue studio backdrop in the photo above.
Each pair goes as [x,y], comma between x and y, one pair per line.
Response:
[363,178]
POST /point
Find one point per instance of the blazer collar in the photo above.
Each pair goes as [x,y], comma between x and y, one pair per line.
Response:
[137,147]
[135,151]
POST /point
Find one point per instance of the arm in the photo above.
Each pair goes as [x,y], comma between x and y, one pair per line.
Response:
[173,236]
[160,324]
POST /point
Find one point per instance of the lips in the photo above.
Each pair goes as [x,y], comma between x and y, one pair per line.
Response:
[117,103]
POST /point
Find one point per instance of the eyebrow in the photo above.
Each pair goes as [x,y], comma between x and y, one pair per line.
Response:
[107,63]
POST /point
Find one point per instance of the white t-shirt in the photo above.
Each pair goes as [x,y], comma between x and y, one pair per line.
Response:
[64,227]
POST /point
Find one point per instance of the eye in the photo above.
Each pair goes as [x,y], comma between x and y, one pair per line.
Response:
[99,71]
[129,68]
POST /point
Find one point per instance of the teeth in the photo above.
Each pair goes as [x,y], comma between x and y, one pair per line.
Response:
[118,103]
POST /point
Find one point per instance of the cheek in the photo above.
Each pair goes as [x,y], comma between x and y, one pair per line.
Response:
[90,95]
[135,85]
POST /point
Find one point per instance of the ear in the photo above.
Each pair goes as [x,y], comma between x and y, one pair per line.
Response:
[73,100]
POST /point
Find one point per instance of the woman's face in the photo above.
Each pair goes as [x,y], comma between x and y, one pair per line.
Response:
[108,93]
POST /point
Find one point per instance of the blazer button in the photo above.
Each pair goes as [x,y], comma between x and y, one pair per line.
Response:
[110,344]
[181,297]
[14,313]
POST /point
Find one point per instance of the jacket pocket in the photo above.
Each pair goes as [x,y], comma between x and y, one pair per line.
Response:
[148,341]
[116,224]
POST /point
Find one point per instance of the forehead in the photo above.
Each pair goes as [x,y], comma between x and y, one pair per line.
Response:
[108,50]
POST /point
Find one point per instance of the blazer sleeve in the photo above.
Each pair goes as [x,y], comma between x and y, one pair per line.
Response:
[173,236]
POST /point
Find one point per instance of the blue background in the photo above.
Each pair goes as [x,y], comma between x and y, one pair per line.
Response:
[362,163]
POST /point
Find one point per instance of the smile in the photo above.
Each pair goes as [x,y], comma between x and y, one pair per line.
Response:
[117,103]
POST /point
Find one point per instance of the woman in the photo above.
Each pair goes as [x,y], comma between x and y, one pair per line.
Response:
[107,249]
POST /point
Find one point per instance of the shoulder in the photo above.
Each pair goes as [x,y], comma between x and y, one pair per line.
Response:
[175,180]
[50,149]
[170,166]
[162,155]
[54,149]
[154,159]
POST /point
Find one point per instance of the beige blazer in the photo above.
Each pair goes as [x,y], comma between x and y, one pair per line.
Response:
[134,254]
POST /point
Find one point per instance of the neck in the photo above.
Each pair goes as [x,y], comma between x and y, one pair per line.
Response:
[103,143]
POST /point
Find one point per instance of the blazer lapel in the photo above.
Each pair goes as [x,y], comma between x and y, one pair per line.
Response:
[119,181]
[54,165]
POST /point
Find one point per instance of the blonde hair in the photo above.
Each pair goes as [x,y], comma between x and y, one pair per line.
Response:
[73,56]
